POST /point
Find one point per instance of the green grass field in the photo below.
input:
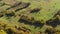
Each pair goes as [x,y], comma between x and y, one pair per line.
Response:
[48,9]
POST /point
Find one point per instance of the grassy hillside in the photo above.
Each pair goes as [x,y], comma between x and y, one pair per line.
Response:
[29,16]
